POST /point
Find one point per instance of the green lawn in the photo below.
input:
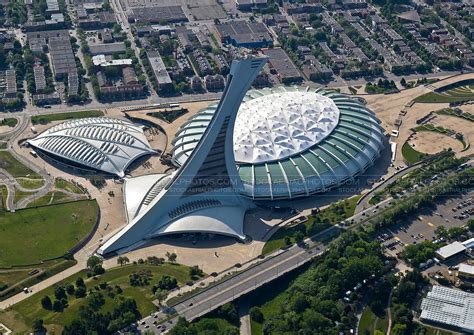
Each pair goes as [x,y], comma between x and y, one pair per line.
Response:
[67,186]
[331,215]
[3,193]
[452,95]
[50,198]
[169,115]
[19,195]
[369,322]
[411,155]
[9,121]
[3,144]
[22,315]
[14,167]
[18,278]
[44,119]
[212,326]
[31,184]
[35,234]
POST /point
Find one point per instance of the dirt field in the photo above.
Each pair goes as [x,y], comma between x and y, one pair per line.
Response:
[431,142]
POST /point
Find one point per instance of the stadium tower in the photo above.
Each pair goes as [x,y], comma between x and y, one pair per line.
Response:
[203,195]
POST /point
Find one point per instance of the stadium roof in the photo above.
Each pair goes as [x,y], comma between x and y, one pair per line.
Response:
[276,126]
[291,142]
[98,143]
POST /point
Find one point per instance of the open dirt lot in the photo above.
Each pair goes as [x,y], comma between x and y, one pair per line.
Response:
[431,142]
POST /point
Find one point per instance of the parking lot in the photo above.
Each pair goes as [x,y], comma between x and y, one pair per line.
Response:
[452,212]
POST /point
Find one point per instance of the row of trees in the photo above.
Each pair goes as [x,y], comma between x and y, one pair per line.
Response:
[313,302]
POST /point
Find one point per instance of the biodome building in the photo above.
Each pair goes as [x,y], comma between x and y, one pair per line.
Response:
[293,142]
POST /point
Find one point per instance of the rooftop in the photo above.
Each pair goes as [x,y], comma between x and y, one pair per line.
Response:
[450,307]
[450,250]
[276,126]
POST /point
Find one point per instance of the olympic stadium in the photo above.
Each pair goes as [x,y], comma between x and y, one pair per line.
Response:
[97,144]
[293,142]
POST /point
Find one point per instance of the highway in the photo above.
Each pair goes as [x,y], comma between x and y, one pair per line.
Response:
[236,286]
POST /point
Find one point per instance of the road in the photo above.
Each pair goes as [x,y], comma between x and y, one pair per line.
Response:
[230,289]
[364,202]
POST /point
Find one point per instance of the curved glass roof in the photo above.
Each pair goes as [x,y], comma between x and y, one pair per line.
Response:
[100,143]
[320,139]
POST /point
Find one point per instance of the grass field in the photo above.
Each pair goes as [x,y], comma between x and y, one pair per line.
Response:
[50,198]
[169,115]
[9,121]
[369,322]
[35,234]
[213,326]
[45,119]
[457,94]
[461,114]
[411,155]
[22,315]
[31,184]
[3,193]
[67,186]
[18,278]
[332,214]
[3,144]
[19,195]
[14,167]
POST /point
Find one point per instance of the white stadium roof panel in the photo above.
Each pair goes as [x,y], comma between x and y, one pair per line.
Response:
[100,143]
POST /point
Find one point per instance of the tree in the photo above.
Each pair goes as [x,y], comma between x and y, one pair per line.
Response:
[93,261]
[80,292]
[441,232]
[256,314]
[160,295]
[58,306]
[46,302]
[195,271]
[38,327]
[95,300]
[171,257]
[299,238]
[403,82]
[470,225]
[80,282]
[399,329]
[70,289]
[122,260]
[166,282]
[60,293]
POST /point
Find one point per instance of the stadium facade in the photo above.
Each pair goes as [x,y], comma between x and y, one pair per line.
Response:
[99,144]
[203,195]
[292,142]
